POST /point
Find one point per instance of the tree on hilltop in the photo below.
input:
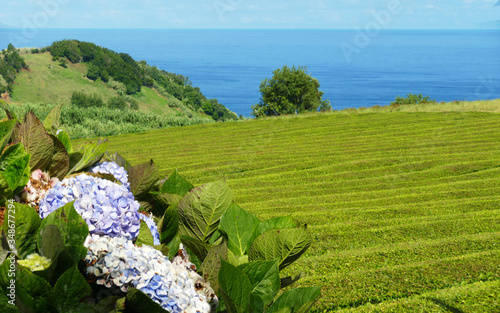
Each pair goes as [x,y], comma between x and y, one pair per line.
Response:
[290,90]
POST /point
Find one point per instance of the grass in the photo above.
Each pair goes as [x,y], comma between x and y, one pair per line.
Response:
[46,82]
[404,207]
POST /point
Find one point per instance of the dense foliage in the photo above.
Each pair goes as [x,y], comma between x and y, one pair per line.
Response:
[108,65]
[85,223]
[412,99]
[10,64]
[93,121]
[290,90]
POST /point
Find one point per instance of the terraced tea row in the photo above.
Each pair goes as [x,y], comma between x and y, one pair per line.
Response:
[404,207]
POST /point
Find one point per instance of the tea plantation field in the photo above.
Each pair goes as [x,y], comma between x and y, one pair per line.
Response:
[404,207]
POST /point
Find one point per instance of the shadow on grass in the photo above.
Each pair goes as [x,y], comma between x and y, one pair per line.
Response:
[447,307]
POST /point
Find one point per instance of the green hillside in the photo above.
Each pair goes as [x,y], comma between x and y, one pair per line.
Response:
[404,207]
[48,82]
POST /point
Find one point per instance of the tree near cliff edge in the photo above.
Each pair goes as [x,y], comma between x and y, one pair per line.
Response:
[290,90]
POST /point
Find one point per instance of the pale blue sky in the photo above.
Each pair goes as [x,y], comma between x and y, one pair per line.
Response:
[252,14]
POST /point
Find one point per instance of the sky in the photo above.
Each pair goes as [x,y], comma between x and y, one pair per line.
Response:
[251,14]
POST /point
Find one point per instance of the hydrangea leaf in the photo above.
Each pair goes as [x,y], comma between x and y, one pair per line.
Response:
[50,241]
[73,229]
[7,307]
[142,177]
[196,247]
[11,153]
[21,224]
[145,237]
[66,141]
[176,184]
[239,227]
[106,305]
[59,165]
[33,292]
[6,129]
[36,141]
[169,225]
[286,245]
[69,291]
[173,246]
[87,156]
[287,281]
[201,209]
[274,223]
[17,173]
[5,191]
[140,302]
[51,122]
[235,288]
[212,263]
[300,300]
[265,279]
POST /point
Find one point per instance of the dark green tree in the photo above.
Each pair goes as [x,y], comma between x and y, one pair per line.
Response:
[290,90]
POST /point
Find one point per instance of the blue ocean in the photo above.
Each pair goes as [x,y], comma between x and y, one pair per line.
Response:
[354,69]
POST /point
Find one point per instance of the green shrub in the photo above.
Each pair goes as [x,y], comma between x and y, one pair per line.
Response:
[412,99]
[82,100]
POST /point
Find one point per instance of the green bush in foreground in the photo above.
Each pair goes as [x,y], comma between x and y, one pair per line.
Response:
[236,254]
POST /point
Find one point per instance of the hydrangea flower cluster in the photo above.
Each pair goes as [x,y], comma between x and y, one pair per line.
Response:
[39,184]
[117,262]
[152,227]
[114,169]
[108,208]
[35,262]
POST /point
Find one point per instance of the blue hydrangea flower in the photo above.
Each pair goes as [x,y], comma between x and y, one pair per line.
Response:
[118,262]
[114,169]
[108,208]
[152,227]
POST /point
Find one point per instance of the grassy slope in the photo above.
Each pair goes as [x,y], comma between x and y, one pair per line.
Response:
[404,207]
[43,84]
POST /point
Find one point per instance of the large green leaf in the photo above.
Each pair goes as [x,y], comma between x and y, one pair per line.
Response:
[201,209]
[5,191]
[17,173]
[137,301]
[169,225]
[50,241]
[66,141]
[21,226]
[300,300]
[145,237]
[274,223]
[12,153]
[6,129]
[142,177]
[239,227]
[69,291]
[235,287]
[51,122]
[33,292]
[196,247]
[286,245]
[73,228]
[36,141]
[212,263]
[265,279]
[7,304]
[176,184]
[87,156]
[59,165]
